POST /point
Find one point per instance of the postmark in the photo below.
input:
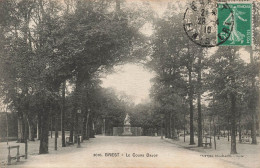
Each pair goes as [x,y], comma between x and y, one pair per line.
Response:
[201,23]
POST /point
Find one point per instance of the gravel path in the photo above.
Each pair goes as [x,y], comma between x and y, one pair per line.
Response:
[113,152]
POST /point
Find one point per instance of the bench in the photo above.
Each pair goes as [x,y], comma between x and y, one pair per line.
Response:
[206,143]
[17,157]
[245,139]
[68,142]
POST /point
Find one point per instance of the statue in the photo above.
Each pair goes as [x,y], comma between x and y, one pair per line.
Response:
[127,126]
[127,120]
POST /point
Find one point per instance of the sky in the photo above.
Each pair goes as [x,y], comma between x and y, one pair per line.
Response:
[132,79]
[244,55]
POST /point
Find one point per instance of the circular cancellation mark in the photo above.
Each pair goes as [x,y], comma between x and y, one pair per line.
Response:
[206,23]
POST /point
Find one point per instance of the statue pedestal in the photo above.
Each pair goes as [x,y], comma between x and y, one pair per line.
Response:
[127,130]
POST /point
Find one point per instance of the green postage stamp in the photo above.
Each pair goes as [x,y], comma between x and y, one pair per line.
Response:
[238,23]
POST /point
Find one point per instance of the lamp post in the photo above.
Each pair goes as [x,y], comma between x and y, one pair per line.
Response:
[78,138]
[162,116]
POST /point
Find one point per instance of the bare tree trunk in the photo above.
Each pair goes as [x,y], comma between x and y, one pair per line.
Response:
[240,132]
[233,107]
[199,106]
[39,126]
[7,128]
[76,125]
[90,125]
[25,139]
[63,115]
[77,104]
[174,127]
[84,126]
[169,128]
[253,101]
[20,130]
[215,144]
[87,127]
[72,126]
[218,127]
[56,133]
[191,110]
[228,129]
[51,126]
[184,127]
[44,132]
[253,131]
[166,127]
[228,132]
[31,129]
[233,124]
[170,125]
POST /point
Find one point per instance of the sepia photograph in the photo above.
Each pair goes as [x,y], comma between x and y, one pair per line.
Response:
[129,84]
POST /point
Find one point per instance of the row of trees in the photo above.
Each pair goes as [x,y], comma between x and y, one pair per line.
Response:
[46,44]
[186,73]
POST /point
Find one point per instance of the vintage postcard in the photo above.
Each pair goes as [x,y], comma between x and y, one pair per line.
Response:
[129,84]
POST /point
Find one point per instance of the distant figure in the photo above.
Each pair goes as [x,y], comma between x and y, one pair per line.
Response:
[127,120]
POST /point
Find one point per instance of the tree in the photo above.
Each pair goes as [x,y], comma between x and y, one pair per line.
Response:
[173,57]
[35,79]
[100,40]
[226,76]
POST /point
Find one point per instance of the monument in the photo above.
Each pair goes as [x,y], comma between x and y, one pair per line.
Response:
[127,126]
